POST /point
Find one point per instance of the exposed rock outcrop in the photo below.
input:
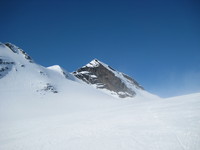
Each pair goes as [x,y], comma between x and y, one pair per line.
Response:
[105,77]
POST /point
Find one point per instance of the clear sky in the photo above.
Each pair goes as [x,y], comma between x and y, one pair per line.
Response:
[157,42]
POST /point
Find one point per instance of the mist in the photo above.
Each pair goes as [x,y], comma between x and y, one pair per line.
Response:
[176,84]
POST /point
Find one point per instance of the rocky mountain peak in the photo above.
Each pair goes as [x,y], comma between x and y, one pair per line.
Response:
[104,77]
[94,63]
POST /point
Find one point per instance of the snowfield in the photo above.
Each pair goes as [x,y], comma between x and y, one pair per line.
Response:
[49,109]
[96,124]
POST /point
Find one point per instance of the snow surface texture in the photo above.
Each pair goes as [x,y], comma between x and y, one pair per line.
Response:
[79,117]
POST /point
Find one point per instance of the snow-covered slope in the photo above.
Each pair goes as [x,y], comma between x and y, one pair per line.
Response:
[48,108]
[62,72]
[18,71]
[68,121]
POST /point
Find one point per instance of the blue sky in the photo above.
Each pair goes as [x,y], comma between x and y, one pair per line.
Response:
[156,42]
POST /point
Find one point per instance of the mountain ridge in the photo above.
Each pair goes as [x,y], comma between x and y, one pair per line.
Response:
[96,73]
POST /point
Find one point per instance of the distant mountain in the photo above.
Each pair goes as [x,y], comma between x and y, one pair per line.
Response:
[16,62]
[102,76]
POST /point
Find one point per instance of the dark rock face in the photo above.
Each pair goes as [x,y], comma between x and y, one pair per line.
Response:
[105,77]
[12,47]
[48,88]
[18,50]
[5,66]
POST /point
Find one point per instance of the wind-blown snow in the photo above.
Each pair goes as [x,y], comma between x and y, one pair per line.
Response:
[80,117]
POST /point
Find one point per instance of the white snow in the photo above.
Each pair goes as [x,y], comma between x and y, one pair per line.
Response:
[62,72]
[93,63]
[80,117]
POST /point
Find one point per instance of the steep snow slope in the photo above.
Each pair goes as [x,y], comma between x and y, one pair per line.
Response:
[17,67]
